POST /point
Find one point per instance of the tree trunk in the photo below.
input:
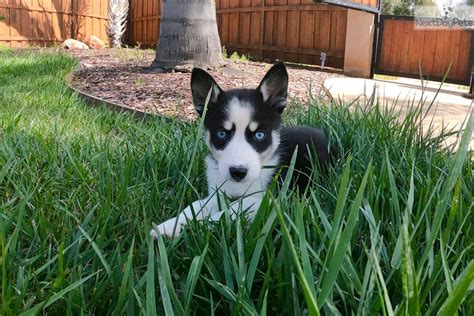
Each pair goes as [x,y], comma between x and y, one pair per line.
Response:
[188,35]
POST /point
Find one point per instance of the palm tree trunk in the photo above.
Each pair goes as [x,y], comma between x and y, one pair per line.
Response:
[188,35]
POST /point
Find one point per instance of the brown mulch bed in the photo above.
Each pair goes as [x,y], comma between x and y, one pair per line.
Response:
[117,76]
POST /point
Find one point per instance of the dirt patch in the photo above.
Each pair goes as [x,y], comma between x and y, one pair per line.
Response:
[118,76]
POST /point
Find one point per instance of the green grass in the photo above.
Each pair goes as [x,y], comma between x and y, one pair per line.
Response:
[389,231]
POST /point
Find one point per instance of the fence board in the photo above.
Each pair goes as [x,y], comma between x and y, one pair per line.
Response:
[465,47]
[44,22]
[416,52]
[224,29]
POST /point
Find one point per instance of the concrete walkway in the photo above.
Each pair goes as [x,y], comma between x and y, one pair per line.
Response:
[450,107]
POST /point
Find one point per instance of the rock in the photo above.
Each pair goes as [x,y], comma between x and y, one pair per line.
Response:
[85,65]
[74,44]
[95,42]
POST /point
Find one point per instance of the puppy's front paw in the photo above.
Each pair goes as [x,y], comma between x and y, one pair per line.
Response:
[169,229]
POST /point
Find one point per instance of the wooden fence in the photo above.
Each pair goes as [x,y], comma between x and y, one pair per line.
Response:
[403,49]
[290,30]
[143,22]
[43,22]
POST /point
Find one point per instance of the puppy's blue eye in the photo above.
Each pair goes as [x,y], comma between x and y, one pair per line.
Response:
[221,134]
[259,135]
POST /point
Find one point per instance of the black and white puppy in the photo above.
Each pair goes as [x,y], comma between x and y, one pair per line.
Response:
[247,146]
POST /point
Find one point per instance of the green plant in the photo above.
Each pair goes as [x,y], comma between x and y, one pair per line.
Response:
[117,13]
[139,82]
[237,57]
[403,7]
[385,77]
[388,231]
[224,52]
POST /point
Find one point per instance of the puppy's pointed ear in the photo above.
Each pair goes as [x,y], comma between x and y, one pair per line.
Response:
[201,83]
[274,87]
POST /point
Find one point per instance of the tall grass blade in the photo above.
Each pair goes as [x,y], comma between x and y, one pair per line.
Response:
[125,281]
[410,290]
[150,281]
[464,283]
[310,298]
[263,311]
[386,301]
[165,275]
[408,272]
[306,264]
[63,292]
[335,260]
[97,251]
[253,264]
[193,276]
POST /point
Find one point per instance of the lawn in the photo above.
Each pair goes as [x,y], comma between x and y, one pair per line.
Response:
[390,230]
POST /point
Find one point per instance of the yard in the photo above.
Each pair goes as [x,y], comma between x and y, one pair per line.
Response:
[390,230]
[120,76]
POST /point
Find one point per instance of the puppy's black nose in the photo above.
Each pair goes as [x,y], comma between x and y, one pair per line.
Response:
[238,173]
